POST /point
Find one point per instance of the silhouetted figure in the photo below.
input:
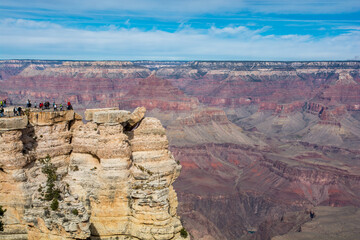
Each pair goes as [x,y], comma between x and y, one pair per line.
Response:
[47,105]
[19,111]
[1,111]
[312,214]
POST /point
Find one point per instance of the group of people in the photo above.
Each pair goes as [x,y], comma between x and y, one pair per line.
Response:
[46,105]
[18,111]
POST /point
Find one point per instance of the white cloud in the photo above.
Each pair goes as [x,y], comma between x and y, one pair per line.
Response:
[42,40]
[348,28]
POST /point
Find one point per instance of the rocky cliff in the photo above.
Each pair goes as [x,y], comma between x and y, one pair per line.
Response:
[108,178]
[256,140]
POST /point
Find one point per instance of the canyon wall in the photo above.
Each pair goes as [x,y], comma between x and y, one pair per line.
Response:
[258,141]
[109,178]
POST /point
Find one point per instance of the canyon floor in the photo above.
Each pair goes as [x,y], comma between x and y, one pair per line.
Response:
[259,142]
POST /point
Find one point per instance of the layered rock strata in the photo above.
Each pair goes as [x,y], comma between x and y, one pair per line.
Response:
[109,178]
[256,139]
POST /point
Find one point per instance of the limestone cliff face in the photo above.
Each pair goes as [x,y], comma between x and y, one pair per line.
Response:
[113,176]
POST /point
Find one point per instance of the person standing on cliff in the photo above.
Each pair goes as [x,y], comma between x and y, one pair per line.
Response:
[69,107]
[1,111]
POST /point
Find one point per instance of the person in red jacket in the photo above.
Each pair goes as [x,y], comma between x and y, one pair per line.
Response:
[69,107]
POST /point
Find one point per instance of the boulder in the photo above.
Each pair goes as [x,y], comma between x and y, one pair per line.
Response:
[111,116]
[137,116]
[90,112]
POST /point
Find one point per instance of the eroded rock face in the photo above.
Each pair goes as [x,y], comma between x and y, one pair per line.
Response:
[107,182]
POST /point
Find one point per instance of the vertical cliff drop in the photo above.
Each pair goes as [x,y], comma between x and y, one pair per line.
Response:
[109,178]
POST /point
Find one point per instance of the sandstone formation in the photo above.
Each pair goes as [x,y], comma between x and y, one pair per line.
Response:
[62,178]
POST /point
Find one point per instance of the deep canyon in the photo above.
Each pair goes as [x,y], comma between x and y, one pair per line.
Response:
[260,143]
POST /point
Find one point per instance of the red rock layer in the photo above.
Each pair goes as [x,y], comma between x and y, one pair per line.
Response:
[154,92]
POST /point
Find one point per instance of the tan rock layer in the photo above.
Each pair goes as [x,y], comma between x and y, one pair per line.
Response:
[113,181]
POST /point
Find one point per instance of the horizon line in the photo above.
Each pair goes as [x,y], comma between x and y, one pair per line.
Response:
[194,60]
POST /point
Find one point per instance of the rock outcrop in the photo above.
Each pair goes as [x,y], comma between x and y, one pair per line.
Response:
[109,178]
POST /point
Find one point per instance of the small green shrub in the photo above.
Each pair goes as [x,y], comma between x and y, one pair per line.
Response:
[54,204]
[183,233]
[75,212]
[50,171]
[51,193]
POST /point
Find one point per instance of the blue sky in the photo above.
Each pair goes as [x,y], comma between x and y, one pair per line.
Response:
[180,30]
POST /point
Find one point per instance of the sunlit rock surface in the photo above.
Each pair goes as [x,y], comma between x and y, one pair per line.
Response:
[114,183]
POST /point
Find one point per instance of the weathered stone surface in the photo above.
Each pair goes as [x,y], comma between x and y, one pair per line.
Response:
[111,183]
[47,117]
[89,113]
[137,116]
[13,123]
[114,116]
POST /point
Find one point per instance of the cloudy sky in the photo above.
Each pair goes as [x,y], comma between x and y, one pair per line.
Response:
[180,29]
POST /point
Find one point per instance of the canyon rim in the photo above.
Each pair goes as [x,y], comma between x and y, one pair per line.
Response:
[260,144]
